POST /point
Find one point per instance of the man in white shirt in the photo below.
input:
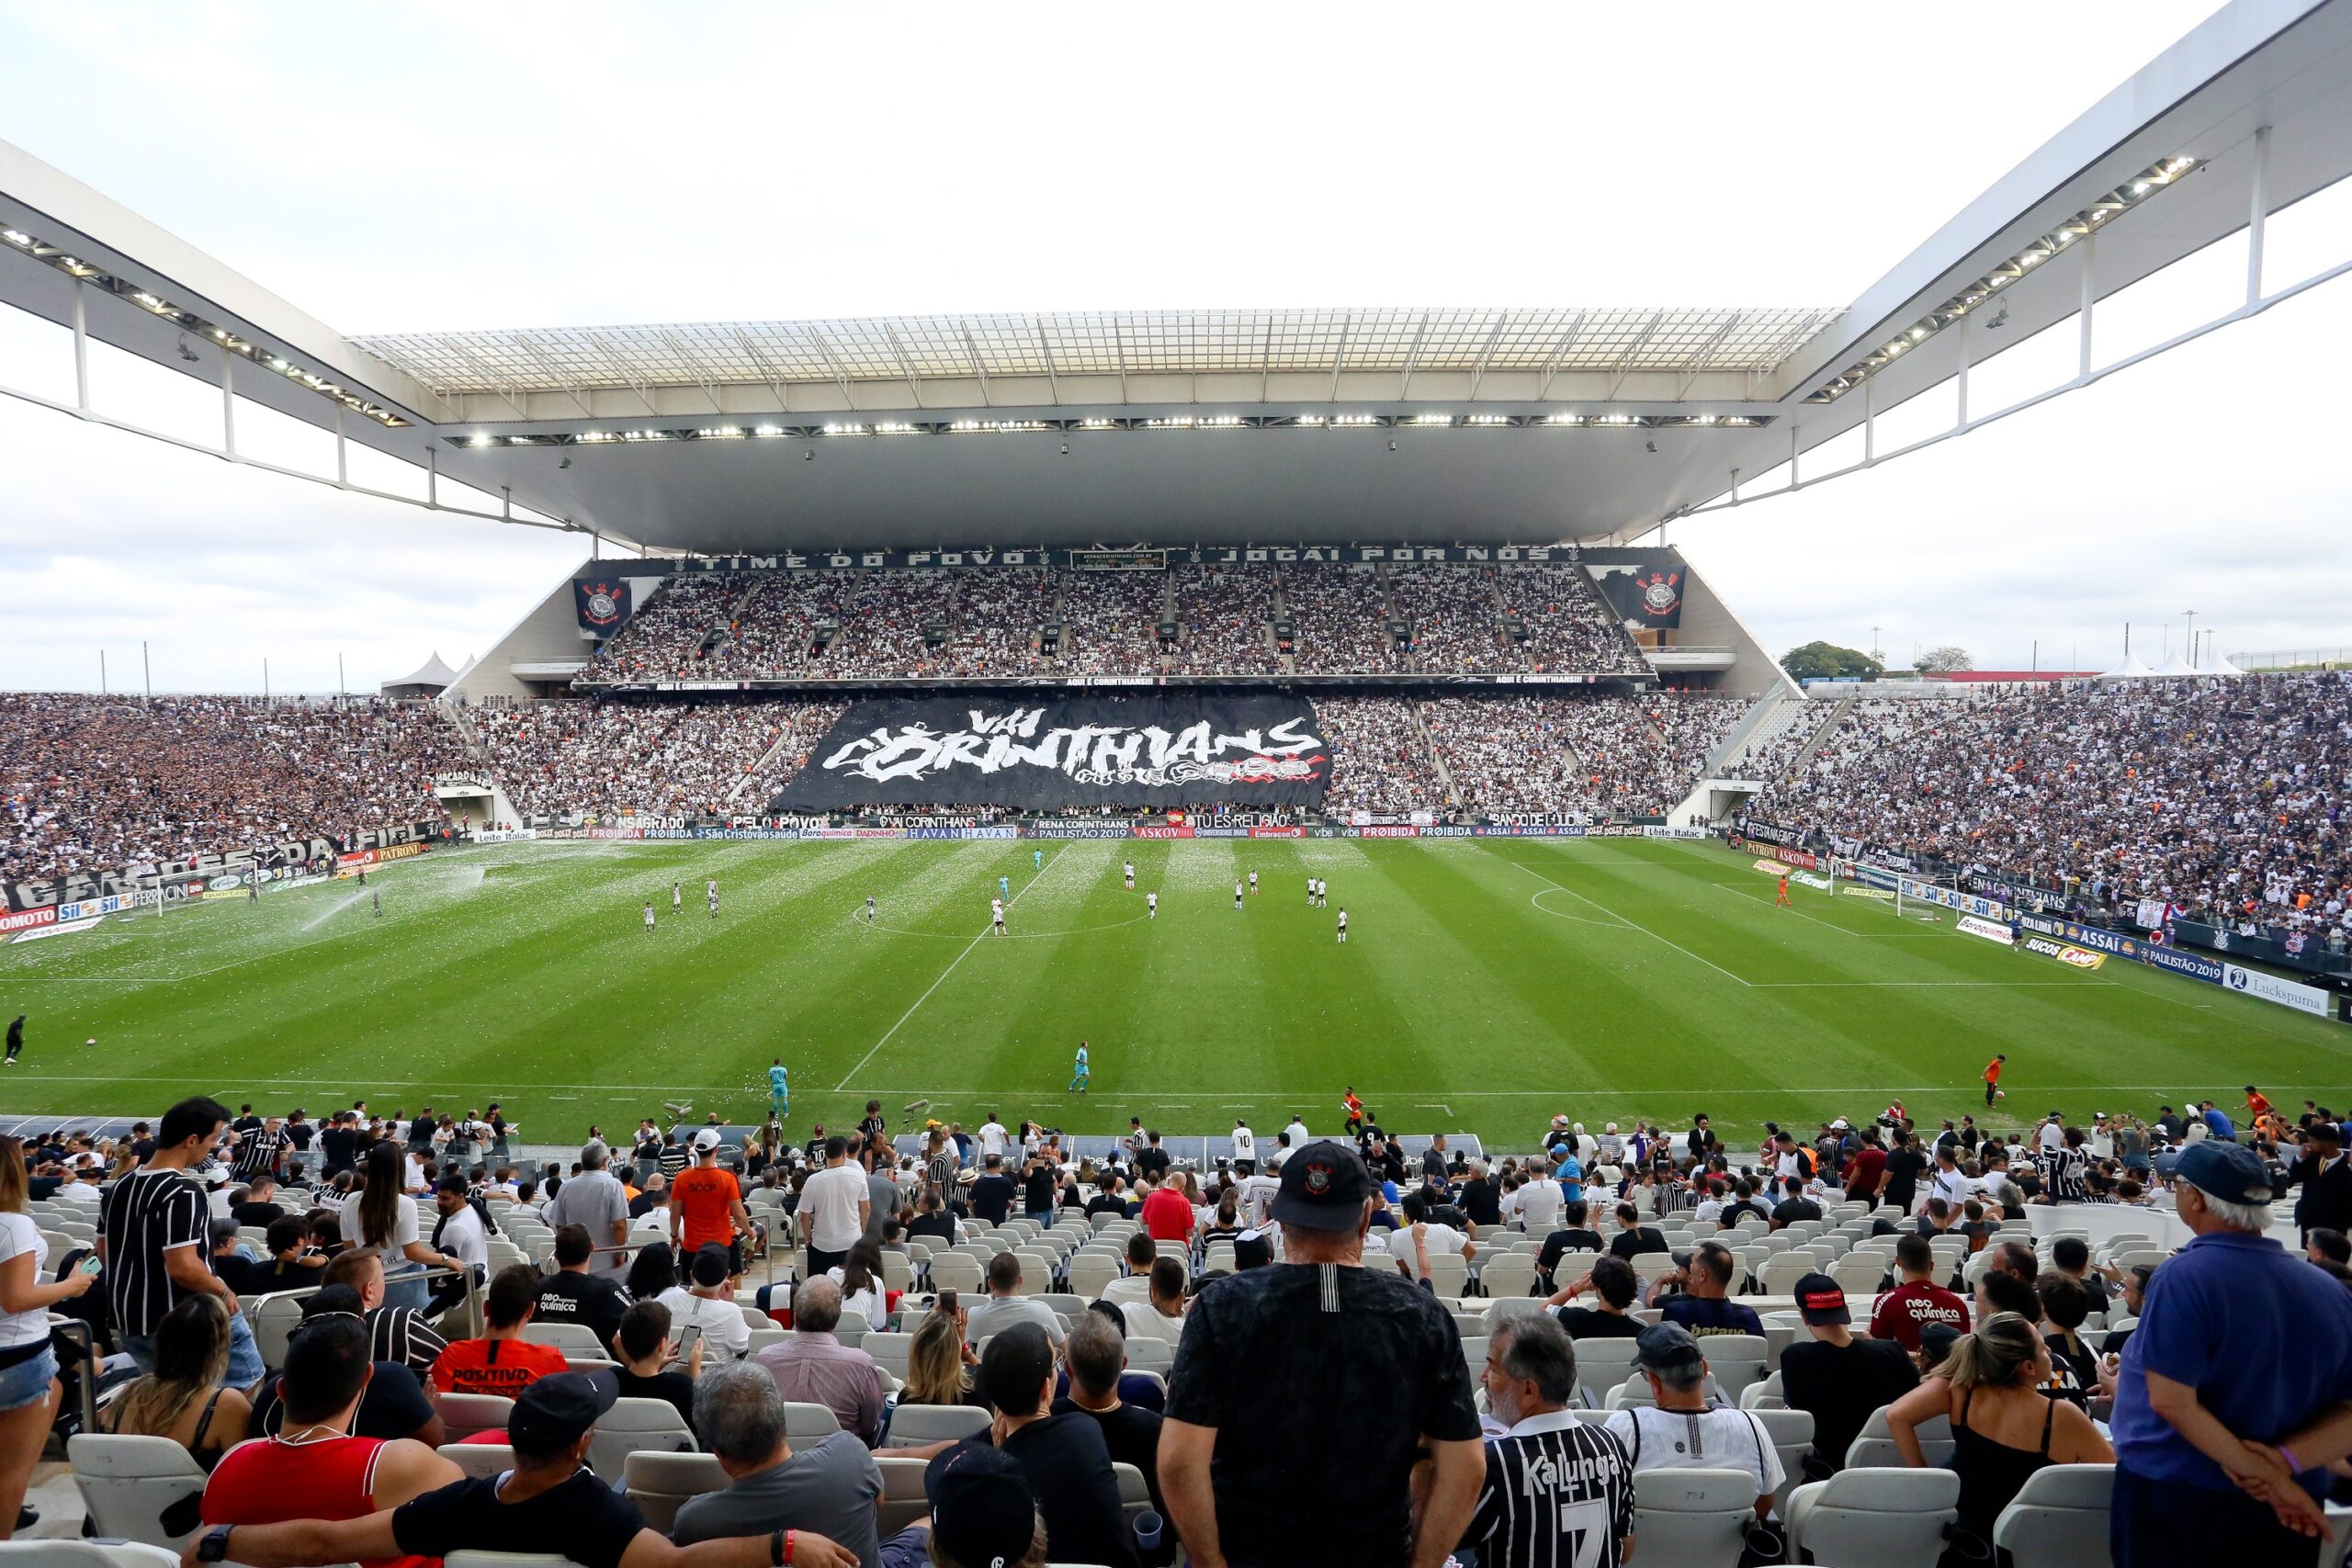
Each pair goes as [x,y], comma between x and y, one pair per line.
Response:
[78,1188]
[1258,1196]
[834,1207]
[1133,1287]
[459,1230]
[1245,1146]
[992,1138]
[1539,1204]
[2052,1134]
[1952,1185]
[1681,1432]
[1161,1314]
[1421,1238]
[1299,1135]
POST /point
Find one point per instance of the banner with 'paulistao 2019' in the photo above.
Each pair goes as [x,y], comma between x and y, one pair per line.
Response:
[1249,750]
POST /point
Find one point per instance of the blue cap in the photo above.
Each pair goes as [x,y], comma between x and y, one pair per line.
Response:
[2231,1172]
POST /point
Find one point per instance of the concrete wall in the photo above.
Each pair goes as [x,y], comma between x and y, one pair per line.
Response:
[549,631]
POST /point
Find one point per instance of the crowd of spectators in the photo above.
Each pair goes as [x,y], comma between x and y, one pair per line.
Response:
[558,758]
[1568,627]
[1223,615]
[1632,756]
[1304,1285]
[2225,799]
[1339,620]
[753,625]
[1452,617]
[1380,759]
[91,783]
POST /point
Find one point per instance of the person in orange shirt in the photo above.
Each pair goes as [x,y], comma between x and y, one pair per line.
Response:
[1353,1108]
[1781,901]
[2257,1104]
[501,1361]
[1992,1077]
[707,1206]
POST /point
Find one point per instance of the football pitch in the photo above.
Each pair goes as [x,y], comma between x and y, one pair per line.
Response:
[1485,985]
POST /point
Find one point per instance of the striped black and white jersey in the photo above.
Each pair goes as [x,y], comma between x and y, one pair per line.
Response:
[257,1153]
[400,1334]
[143,1215]
[1559,1494]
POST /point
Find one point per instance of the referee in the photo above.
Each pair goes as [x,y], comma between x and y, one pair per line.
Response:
[1558,1494]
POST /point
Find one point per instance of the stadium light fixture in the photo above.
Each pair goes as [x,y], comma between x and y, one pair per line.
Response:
[155,304]
[767,430]
[2122,198]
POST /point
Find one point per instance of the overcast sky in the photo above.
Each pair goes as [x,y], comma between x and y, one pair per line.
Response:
[437,166]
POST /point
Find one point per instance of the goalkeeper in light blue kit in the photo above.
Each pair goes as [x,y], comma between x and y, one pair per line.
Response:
[779,1090]
[1081,1074]
[1004,888]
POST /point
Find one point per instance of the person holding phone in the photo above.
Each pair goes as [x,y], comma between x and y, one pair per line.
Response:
[28,1386]
[655,1364]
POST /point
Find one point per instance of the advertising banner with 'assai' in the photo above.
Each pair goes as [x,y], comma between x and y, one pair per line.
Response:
[1080,751]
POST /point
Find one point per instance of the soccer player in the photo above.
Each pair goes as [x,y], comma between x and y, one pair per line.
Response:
[1993,1078]
[1129,867]
[1355,1108]
[1036,860]
[995,916]
[2257,1104]
[376,897]
[1081,1074]
[649,914]
[1310,893]
[677,898]
[1236,896]
[869,909]
[1151,905]
[1780,901]
[1004,887]
[1343,925]
[779,1090]
[713,895]
[15,1038]
[1253,885]
[710,886]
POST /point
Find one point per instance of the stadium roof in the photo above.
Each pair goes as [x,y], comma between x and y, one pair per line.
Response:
[900,352]
[1473,425]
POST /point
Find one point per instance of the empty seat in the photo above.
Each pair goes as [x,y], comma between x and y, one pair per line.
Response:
[2058,1518]
[902,1501]
[1890,1518]
[1874,1447]
[127,1482]
[86,1554]
[1791,1432]
[804,1423]
[1509,1275]
[1734,1360]
[1091,1275]
[1694,1518]
[912,1425]
[634,1426]
[889,1351]
[462,1415]
[659,1483]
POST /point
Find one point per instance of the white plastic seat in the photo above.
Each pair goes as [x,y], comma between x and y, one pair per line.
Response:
[889,1351]
[1792,1435]
[957,1271]
[1508,1275]
[807,1423]
[660,1484]
[1889,1518]
[1090,1276]
[636,1426]
[507,1560]
[1148,1354]
[86,1554]
[1765,1395]
[1782,1272]
[1692,1518]
[127,1482]
[272,1319]
[480,1460]
[902,1501]
[912,1425]
[1873,1447]
[2058,1519]
[572,1338]
[1735,1360]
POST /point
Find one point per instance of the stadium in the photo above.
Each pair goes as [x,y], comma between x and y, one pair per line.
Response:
[1116,749]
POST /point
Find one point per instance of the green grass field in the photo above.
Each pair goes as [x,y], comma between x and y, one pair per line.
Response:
[1485,985]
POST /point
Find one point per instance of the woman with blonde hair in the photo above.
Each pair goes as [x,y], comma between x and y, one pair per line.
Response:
[938,1365]
[182,1399]
[28,1386]
[2003,1426]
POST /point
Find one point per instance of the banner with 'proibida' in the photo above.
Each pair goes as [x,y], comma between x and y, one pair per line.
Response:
[1055,754]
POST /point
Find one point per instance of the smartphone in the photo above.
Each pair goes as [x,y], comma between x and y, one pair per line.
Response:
[90,1263]
[947,1302]
[687,1337]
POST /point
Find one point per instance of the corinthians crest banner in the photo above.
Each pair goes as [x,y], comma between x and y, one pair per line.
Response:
[1646,593]
[603,603]
[1079,751]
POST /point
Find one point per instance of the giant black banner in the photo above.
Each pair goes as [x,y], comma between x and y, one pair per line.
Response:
[1646,592]
[1064,753]
[602,603]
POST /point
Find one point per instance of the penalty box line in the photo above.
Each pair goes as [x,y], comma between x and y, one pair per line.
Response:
[952,964]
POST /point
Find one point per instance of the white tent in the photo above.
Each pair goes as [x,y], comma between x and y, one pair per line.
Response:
[2220,665]
[2130,670]
[2173,666]
[426,681]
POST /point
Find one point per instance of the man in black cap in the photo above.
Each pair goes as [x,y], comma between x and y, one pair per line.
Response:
[1305,1392]
[982,1513]
[550,1501]
[1066,1457]
[1839,1378]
